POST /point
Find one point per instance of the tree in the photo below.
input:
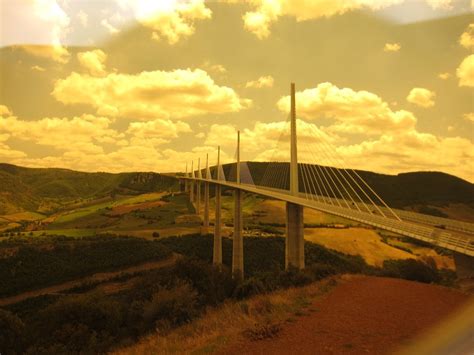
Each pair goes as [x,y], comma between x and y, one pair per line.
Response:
[11,334]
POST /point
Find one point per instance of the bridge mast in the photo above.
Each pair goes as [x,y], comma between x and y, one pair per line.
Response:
[206,197]
[293,147]
[237,239]
[198,188]
[191,184]
[217,252]
[294,247]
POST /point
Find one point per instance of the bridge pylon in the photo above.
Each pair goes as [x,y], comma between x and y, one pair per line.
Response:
[294,247]
[198,188]
[191,183]
[186,180]
[237,240]
[217,247]
[206,198]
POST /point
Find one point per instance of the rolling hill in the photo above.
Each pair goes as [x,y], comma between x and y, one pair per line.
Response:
[44,190]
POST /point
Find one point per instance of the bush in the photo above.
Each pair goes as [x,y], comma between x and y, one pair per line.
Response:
[155,234]
[213,283]
[249,287]
[11,333]
[171,306]
[81,322]
[411,269]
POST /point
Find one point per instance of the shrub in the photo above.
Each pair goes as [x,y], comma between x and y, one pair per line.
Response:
[410,269]
[171,306]
[214,284]
[11,333]
[155,234]
[249,287]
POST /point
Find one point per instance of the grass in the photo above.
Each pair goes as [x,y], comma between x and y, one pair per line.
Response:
[23,216]
[356,241]
[232,321]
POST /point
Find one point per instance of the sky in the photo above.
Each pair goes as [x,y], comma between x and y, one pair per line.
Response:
[135,85]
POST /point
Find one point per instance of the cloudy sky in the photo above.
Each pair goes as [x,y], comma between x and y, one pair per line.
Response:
[138,85]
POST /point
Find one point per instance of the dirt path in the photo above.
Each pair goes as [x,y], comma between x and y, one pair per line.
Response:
[364,315]
[102,276]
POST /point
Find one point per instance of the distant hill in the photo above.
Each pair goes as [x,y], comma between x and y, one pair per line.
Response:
[402,190]
[44,190]
[33,189]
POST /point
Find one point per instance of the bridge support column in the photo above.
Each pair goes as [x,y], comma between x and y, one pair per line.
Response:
[206,209]
[217,250]
[238,238]
[191,191]
[198,198]
[294,247]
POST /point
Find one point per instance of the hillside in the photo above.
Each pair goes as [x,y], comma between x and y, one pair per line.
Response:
[44,190]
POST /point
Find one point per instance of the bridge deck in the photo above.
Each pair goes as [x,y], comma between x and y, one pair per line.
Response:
[417,228]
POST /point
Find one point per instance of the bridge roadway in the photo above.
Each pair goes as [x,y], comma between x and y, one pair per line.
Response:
[418,228]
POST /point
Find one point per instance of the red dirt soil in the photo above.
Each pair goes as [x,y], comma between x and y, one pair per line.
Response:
[363,315]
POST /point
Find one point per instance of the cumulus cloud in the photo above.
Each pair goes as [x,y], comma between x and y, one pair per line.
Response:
[467,38]
[39,25]
[267,140]
[412,151]
[155,94]
[93,61]
[5,111]
[83,18]
[266,12]
[441,4]
[79,143]
[421,97]
[262,82]
[469,116]
[170,20]
[354,111]
[392,47]
[444,76]
[109,27]
[81,134]
[465,71]
[37,68]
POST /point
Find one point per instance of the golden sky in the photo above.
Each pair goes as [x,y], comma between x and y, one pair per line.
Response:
[133,85]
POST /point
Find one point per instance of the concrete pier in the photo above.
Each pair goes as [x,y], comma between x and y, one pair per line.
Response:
[205,223]
[217,249]
[205,229]
[294,248]
[238,238]
[217,252]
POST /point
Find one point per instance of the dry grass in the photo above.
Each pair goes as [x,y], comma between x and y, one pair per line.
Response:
[356,241]
[273,211]
[233,321]
[442,261]
[23,216]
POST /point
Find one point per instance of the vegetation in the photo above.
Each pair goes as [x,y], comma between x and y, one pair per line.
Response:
[50,189]
[53,260]
[88,321]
